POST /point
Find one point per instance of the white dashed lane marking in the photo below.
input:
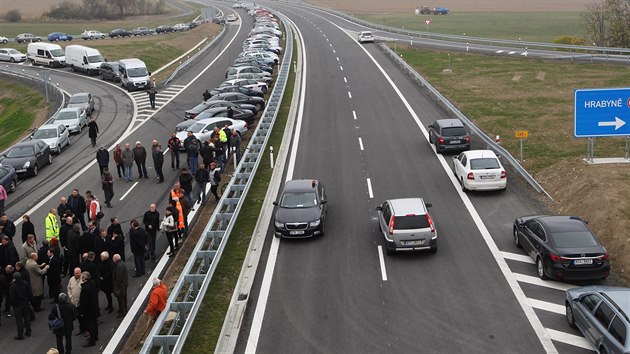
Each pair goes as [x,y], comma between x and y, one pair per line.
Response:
[369,186]
[361,144]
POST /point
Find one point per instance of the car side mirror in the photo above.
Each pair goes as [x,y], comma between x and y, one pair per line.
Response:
[454,157]
[275,203]
[324,201]
[378,208]
[428,205]
[429,126]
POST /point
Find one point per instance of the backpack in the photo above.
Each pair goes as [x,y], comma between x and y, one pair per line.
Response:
[217,176]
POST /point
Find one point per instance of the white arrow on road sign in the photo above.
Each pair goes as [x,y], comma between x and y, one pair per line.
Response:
[618,123]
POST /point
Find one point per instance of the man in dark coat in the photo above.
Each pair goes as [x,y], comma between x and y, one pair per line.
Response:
[138,245]
[74,247]
[120,282]
[106,270]
[102,243]
[63,240]
[20,297]
[7,226]
[90,265]
[102,158]
[78,206]
[158,159]
[107,183]
[69,314]
[54,275]
[88,239]
[151,221]
[92,131]
[8,252]
[140,156]
[88,306]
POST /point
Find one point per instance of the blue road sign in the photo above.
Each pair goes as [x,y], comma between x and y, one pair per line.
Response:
[602,112]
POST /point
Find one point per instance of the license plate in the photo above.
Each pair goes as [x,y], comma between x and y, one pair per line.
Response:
[413,243]
[486,177]
[456,141]
[582,261]
[20,171]
[298,232]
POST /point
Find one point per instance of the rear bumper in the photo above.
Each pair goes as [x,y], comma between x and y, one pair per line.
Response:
[453,147]
[398,246]
[559,271]
[486,186]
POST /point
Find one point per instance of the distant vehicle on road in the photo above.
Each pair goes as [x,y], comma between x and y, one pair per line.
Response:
[12,55]
[56,135]
[449,135]
[244,90]
[232,18]
[164,29]
[203,128]
[92,35]
[83,100]
[479,170]
[59,36]
[365,37]
[48,54]
[601,314]
[8,178]
[301,210]
[73,118]
[27,37]
[141,31]
[109,71]
[82,58]
[180,27]
[4,40]
[563,247]
[27,157]
[119,32]
[407,226]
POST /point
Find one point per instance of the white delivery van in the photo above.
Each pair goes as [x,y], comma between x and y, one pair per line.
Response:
[134,74]
[48,54]
[82,58]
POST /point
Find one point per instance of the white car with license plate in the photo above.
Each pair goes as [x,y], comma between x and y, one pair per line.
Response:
[479,170]
[12,55]
[56,135]
[73,118]
[202,129]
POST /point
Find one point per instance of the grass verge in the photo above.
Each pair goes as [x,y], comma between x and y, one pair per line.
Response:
[209,321]
[529,26]
[504,94]
[20,106]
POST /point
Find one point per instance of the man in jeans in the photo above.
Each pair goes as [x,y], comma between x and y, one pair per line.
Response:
[192,145]
[202,177]
[173,147]
[127,158]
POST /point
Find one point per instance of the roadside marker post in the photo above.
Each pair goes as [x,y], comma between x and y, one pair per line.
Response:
[521,135]
[271,155]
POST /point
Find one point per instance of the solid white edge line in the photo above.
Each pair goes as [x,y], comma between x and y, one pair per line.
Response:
[369,186]
[539,329]
[547,306]
[570,339]
[354,115]
[129,191]
[544,283]
[261,304]
[361,144]
[381,259]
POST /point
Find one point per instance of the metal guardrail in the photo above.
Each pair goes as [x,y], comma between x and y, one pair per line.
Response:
[473,128]
[196,55]
[187,294]
[478,40]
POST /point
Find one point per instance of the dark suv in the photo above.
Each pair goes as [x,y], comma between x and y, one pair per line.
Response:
[109,71]
[301,210]
[164,29]
[449,135]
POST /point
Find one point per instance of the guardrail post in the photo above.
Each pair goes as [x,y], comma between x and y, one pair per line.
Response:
[271,155]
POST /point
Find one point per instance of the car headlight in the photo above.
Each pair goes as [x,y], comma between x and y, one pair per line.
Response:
[314,223]
[27,164]
[279,224]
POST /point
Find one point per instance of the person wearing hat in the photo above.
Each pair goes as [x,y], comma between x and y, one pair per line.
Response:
[20,297]
[215,179]
[140,156]
[102,158]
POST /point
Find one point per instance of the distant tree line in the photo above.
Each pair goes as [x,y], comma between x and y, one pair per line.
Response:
[106,9]
[608,23]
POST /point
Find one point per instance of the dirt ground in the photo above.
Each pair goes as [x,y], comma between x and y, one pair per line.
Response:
[402,6]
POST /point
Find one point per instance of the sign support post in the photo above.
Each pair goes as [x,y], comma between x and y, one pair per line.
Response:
[521,135]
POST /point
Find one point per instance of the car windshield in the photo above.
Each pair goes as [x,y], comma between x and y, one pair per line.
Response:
[485,163]
[78,99]
[182,127]
[299,200]
[453,131]
[95,58]
[67,115]
[137,72]
[366,34]
[411,222]
[197,127]
[57,52]
[574,239]
[13,51]
[45,133]
[21,151]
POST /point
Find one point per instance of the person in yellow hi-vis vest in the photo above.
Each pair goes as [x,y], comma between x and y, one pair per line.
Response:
[52,225]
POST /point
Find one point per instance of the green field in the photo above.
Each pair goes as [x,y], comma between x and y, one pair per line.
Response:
[505,94]
[529,26]
[19,105]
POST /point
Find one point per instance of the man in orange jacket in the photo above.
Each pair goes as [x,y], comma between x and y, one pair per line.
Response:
[157,301]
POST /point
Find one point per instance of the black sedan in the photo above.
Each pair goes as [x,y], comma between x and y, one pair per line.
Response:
[27,157]
[164,29]
[563,247]
[240,98]
[119,33]
[301,210]
[240,89]
[8,178]
[237,113]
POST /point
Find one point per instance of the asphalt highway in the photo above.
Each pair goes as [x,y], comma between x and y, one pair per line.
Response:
[76,167]
[363,136]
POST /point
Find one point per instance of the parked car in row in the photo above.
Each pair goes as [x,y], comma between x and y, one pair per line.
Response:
[202,129]
[85,59]
[90,34]
[73,118]
[4,40]
[56,135]
[238,113]
[48,54]
[232,88]
[12,55]
[27,157]
[59,36]
[142,31]
[180,27]
[479,170]
[164,29]
[82,100]
[365,37]
[119,32]
[27,37]
[449,135]
[8,178]
[109,71]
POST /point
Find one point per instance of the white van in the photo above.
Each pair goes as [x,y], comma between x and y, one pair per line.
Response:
[82,58]
[48,54]
[134,74]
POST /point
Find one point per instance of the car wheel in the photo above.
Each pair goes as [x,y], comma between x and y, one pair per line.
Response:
[323,229]
[72,68]
[12,60]
[33,62]
[517,242]
[91,37]
[461,181]
[101,76]
[102,37]
[540,266]
[35,170]
[433,250]
[50,158]
[569,313]
[12,186]
[389,251]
